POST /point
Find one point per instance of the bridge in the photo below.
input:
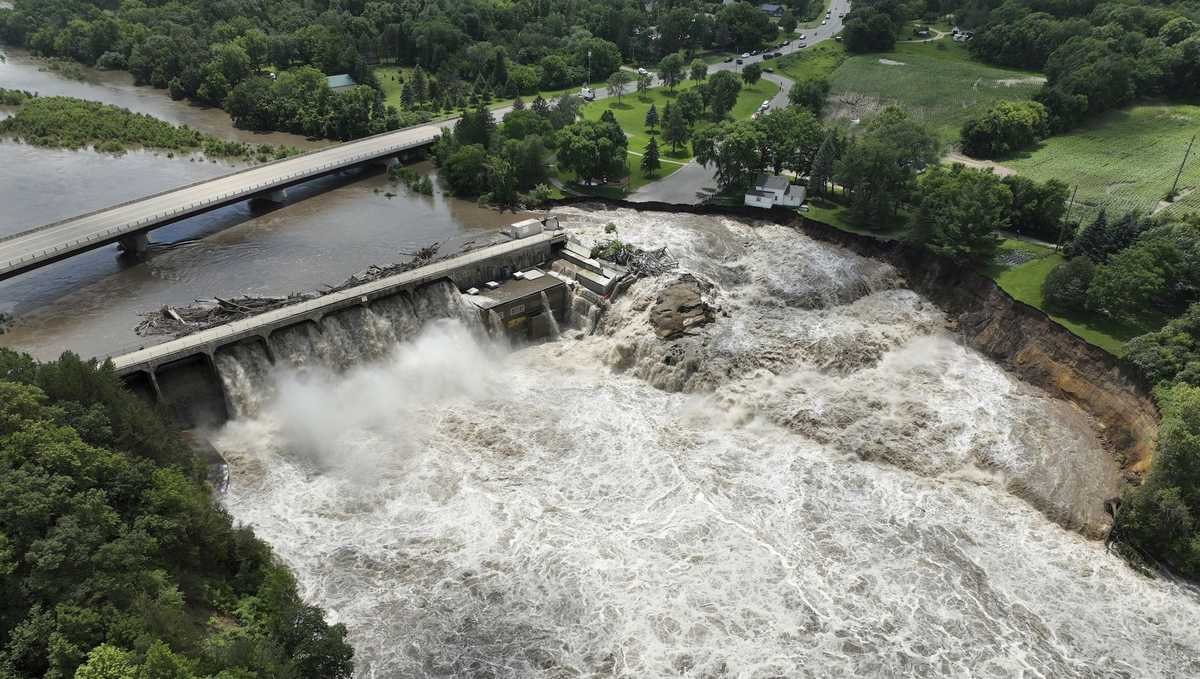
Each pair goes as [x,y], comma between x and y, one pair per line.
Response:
[129,222]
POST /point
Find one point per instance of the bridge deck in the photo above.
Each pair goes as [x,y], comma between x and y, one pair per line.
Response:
[28,250]
[208,340]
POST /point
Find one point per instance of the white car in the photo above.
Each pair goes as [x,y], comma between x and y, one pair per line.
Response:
[745,55]
[642,71]
[824,21]
[765,105]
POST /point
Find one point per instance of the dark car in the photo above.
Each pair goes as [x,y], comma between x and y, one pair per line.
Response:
[779,54]
[738,62]
[753,52]
[768,55]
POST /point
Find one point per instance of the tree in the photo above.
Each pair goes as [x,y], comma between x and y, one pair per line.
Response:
[735,151]
[1006,127]
[1170,354]
[872,173]
[698,70]
[592,150]
[868,31]
[675,127]
[1037,209]
[792,137]
[787,22]
[670,69]
[522,123]
[650,161]
[107,662]
[1065,288]
[617,82]
[810,93]
[466,170]
[751,73]
[691,104]
[743,26]
[720,93]
[502,180]
[960,211]
[644,81]
[475,127]
[651,117]
[828,154]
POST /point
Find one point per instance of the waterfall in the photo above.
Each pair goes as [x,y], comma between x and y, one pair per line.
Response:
[245,371]
[554,332]
[496,325]
[340,340]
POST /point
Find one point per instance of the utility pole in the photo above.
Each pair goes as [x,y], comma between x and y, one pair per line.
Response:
[1175,185]
[1066,220]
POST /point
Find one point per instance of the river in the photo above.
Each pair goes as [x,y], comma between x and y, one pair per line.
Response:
[328,229]
[821,483]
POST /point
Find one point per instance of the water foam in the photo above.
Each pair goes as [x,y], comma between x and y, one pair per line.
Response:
[790,505]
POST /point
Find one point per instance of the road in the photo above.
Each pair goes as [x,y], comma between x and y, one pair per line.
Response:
[36,247]
[694,183]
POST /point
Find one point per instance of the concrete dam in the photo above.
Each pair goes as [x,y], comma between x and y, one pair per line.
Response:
[521,288]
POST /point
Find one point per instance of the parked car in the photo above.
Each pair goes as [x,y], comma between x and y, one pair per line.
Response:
[765,105]
[739,62]
[768,55]
[779,54]
[753,52]
[642,71]
[745,55]
[768,70]
[824,21]
[802,44]
[587,94]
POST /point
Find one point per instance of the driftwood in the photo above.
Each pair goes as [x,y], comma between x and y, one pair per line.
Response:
[636,261]
[207,313]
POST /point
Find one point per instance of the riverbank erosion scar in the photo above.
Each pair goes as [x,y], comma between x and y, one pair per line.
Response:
[1021,338]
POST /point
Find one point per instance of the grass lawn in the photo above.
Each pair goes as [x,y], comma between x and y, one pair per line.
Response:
[630,113]
[391,89]
[818,61]
[941,87]
[834,214]
[1122,161]
[1024,283]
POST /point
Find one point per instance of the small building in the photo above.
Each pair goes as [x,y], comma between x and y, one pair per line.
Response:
[771,189]
[337,83]
[771,9]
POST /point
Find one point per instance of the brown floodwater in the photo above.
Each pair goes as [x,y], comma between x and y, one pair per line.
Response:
[327,230]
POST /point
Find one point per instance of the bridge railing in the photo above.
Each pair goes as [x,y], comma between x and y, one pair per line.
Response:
[228,196]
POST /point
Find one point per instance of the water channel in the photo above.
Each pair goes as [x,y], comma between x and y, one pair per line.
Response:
[328,230]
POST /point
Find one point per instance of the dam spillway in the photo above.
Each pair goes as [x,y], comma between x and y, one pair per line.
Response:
[822,481]
[357,323]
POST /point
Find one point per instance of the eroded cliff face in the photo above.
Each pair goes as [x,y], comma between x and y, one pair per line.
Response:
[1021,338]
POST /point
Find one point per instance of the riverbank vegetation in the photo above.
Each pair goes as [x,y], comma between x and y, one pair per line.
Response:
[115,560]
[469,52]
[65,122]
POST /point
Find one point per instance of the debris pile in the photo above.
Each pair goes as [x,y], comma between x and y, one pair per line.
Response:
[636,261]
[207,313]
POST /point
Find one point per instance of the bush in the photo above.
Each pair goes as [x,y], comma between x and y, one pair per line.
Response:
[1065,288]
[1006,127]
[112,61]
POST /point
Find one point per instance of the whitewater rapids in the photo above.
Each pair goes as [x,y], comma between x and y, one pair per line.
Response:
[821,483]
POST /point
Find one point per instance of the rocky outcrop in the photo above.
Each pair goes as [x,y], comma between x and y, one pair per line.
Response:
[1021,338]
[680,306]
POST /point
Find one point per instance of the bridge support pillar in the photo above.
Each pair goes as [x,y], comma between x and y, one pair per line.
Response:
[134,243]
[276,196]
[388,163]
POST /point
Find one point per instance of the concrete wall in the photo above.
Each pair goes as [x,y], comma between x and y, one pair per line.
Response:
[182,373]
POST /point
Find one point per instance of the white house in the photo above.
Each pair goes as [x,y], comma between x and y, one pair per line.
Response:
[771,189]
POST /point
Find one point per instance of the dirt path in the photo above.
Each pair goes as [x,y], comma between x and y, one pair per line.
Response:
[956,157]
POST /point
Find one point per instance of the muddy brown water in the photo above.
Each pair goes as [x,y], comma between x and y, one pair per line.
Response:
[328,229]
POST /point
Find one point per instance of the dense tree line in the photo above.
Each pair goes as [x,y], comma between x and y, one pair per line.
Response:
[1096,56]
[467,50]
[116,562]
[1006,127]
[1128,268]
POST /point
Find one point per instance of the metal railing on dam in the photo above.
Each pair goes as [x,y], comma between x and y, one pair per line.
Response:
[43,245]
[182,372]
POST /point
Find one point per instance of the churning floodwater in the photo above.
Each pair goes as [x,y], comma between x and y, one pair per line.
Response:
[821,483]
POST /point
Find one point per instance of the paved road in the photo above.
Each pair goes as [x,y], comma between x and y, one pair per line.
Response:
[694,183]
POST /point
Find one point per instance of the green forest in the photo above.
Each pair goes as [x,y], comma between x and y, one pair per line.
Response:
[116,561]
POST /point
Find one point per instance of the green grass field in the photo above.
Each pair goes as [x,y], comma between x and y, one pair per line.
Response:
[391,89]
[1125,160]
[630,113]
[939,87]
[818,61]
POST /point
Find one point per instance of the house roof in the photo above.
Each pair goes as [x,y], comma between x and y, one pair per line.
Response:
[760,194]
[771,182]
[342,80]
[770,8]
